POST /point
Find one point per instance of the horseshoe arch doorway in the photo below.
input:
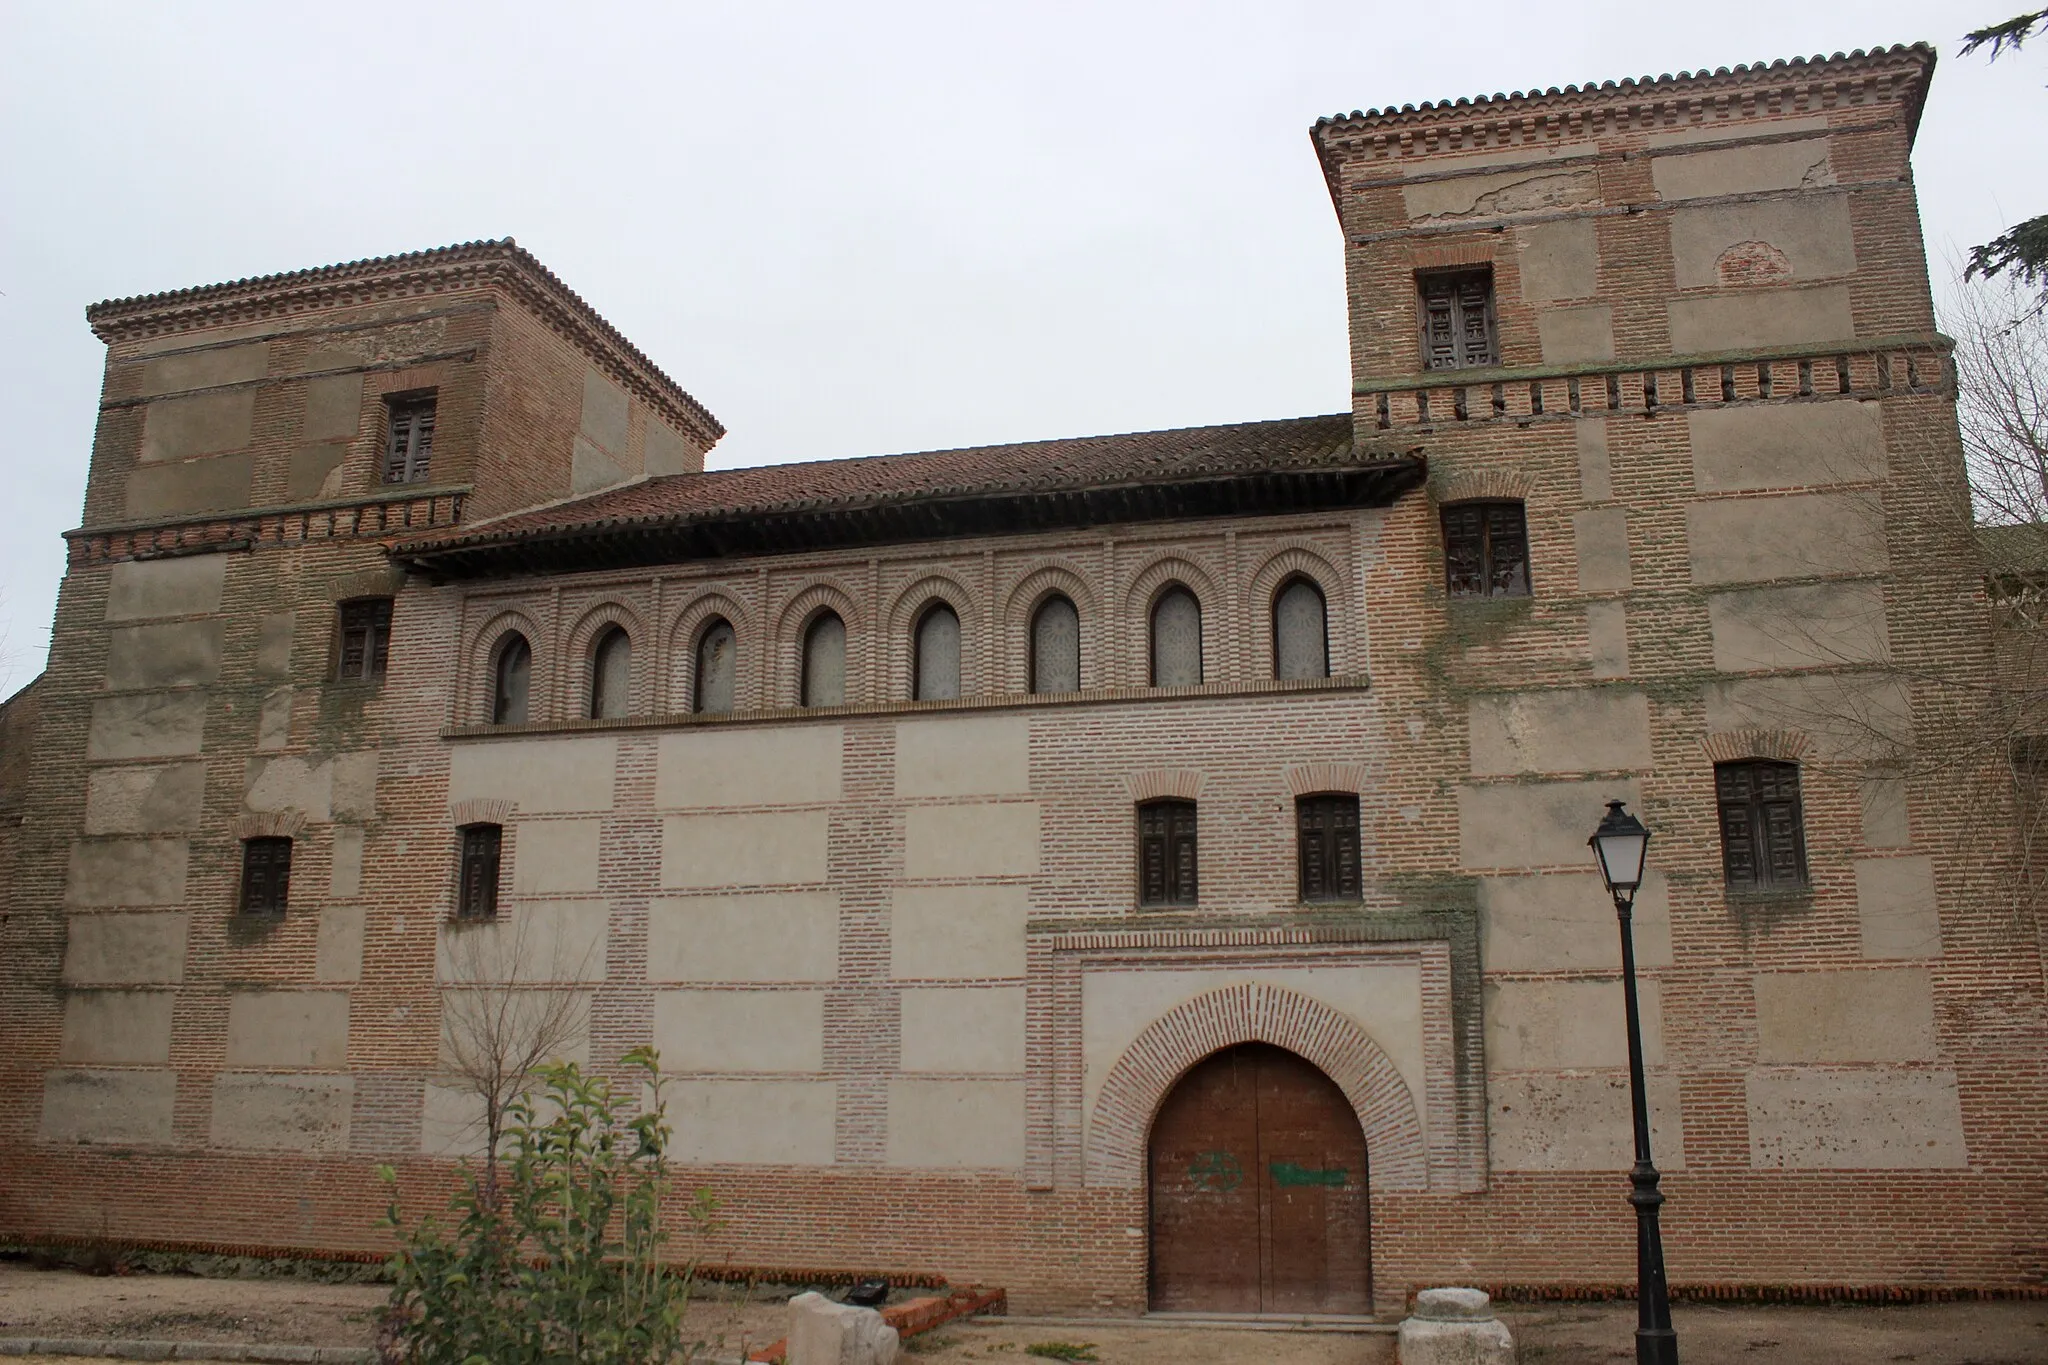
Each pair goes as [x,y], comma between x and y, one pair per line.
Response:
[1256,1180]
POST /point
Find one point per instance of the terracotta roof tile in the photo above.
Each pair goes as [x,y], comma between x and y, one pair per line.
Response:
[1663,83]
[1075,463]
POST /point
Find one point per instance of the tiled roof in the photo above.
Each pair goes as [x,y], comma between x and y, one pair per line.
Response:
[1657,85]
[916,489]
[209,304]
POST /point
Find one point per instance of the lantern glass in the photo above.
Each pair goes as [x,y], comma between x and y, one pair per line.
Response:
[1621,844]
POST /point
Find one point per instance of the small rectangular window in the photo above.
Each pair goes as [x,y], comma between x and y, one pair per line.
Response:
[1457,320]
[365,639]
[1166,853]
[1763,836]
[481,847]
[266,876]
[1327,847]
[409,446]
[1486,550]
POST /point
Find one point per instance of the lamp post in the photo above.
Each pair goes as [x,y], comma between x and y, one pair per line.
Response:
[1620,844]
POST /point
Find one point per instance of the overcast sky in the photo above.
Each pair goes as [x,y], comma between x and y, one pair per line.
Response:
[846,229]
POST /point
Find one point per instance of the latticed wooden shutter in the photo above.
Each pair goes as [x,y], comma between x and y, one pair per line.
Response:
[365,638]
[1327,847]
[1486,549]
[1181,834]
[1167,856]
[266,876]
[1465,550]
[1457,320]
[1507,549]
[1763,841]
[481,845]
[409,452]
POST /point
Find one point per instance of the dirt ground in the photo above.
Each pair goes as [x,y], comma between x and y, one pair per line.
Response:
[49,1303]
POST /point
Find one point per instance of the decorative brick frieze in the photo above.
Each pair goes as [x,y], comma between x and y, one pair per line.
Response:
[383,518]
[1778,375]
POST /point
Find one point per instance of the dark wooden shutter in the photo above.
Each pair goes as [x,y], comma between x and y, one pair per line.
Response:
[1763,839]
[1457,320]
[266,876]
[1327,847]
[1486,549]
[365,639]
[409,451]
[1167,856]
[481,848]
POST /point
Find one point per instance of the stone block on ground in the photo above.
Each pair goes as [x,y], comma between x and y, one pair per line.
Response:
[822,1332]
[1455,1327]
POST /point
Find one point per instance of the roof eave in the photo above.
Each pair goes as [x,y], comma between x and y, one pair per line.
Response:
[794,529]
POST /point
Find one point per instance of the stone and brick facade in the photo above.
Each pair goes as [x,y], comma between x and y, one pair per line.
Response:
[913,1012]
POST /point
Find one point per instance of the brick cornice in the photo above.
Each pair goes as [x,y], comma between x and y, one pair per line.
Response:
[1542,118]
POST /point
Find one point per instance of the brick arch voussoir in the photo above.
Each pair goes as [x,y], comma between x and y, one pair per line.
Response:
[686,626]
[1170,567]
[1255,1013]
[579,648]
[481,659]
[790,622]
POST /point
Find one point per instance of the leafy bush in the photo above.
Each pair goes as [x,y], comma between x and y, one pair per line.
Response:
[555,1254]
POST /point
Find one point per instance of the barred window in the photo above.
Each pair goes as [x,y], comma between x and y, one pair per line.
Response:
[938,654]
[266,876]
[1763,836]
[1326,844]
[409,443]
[716,649]
[509,680]
[477,896]
[1486,550]
[824,680]
[1056,646]
[611,675]
[1457,320]
[1176,639]
[365,639]
[1301,638]
[1166,853]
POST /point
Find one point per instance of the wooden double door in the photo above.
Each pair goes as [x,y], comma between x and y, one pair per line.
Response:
[1258,1190]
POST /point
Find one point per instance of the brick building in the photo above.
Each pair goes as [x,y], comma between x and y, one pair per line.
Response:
[1052,864]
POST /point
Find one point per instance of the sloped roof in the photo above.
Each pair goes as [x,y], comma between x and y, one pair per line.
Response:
[1189,471]
[1663,86]
[459,265]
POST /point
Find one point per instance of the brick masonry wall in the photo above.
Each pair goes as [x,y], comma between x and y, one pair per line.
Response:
[1848,1083]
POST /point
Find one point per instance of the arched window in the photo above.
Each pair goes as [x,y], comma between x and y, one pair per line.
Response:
[824,681]
[1056,646]
[1301,641]
[938,654]
[1176,639]
[716,649]
[509,679]
[611,675]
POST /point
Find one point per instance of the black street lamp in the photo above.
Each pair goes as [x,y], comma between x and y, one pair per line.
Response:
[1620,843]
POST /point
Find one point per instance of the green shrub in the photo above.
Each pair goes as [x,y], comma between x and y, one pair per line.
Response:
[553,1254]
